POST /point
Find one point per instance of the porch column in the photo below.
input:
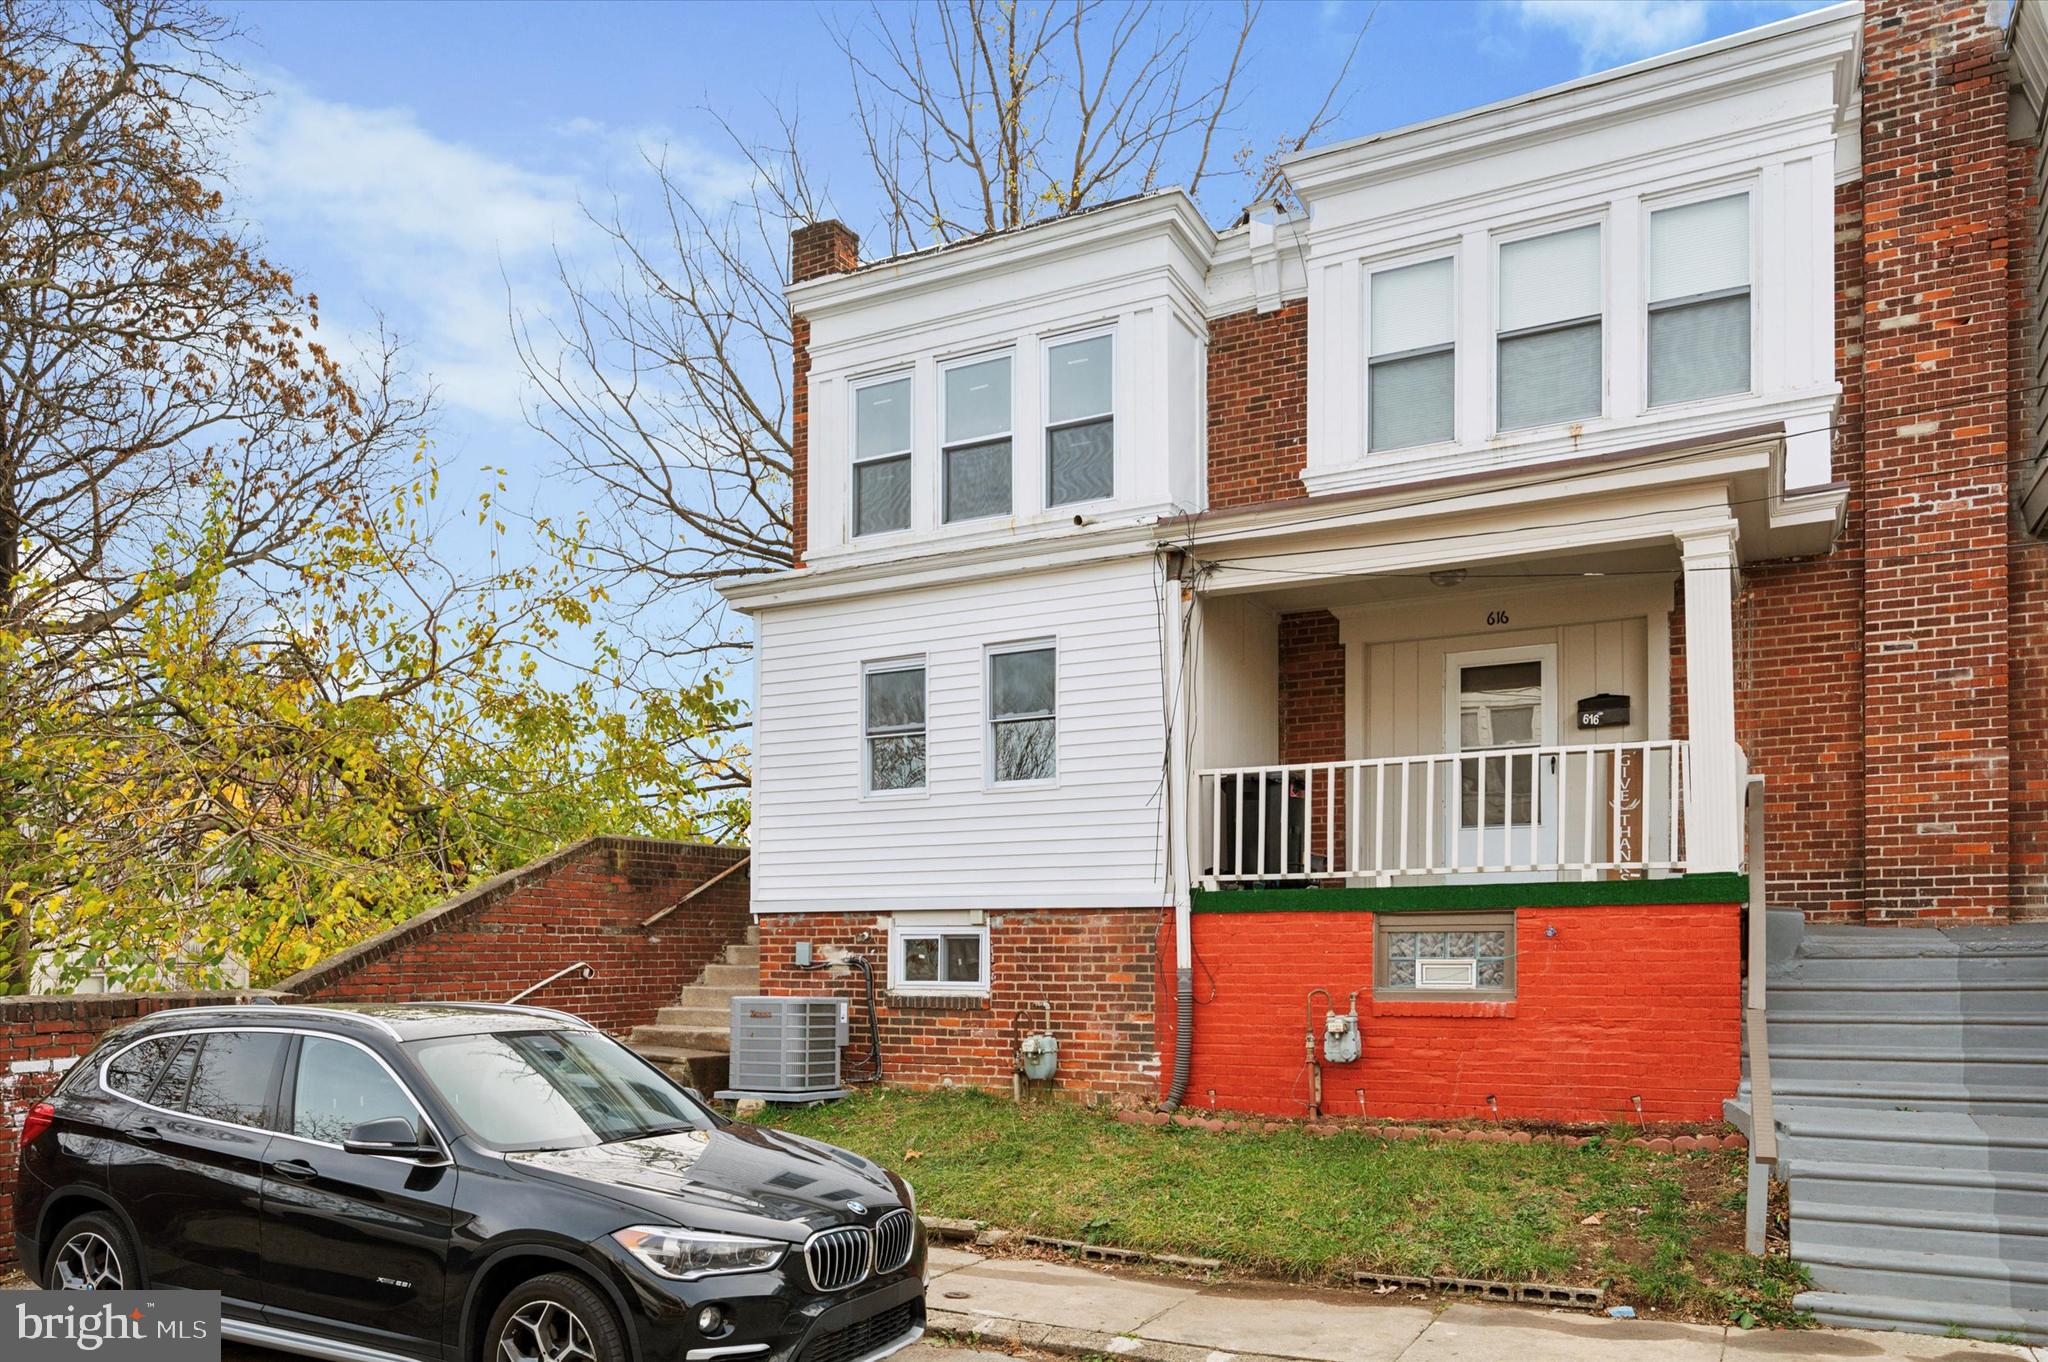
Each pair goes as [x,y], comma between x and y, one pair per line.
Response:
[1714,805]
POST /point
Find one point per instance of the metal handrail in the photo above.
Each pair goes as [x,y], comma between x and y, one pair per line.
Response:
[582,969]
[738,865]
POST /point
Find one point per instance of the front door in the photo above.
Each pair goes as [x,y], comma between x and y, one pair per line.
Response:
[1501,808]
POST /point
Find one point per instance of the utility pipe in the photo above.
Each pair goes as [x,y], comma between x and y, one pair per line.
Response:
[1180,681]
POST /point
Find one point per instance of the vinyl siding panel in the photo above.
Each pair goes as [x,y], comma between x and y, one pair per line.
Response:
[1092,838]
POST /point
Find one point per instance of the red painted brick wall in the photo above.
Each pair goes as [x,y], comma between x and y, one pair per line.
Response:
[41,1037]
[1258,406]
[584,903]
[1622,1003]
[1097,968]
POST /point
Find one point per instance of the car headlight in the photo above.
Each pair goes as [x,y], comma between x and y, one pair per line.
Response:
[686,1255]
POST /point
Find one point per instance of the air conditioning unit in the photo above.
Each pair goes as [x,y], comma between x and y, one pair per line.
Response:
[786,1049]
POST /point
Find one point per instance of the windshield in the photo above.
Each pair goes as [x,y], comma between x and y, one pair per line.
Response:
[524,1090]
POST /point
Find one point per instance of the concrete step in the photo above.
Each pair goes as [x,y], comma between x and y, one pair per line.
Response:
[711,1016]
[739,978]
[681,1037]
[1915,1189]
[708,995]
[1849,1311]
[1821,941]
[1984,1098]
[747,957]
[1989,998]
[1940,1279]
[1926,1138]
[1820,1227]
[1907,1064]
[1971,1035]
[705,1070]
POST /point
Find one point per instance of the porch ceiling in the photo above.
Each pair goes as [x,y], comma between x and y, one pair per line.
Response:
[1535,571]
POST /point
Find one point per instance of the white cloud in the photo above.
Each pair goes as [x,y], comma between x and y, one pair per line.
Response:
[382,215]
[1611,31]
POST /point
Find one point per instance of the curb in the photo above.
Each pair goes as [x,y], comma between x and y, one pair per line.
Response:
[972,1329]
[1660,1144]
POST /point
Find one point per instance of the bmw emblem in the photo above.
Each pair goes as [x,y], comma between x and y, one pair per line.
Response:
[856,1207]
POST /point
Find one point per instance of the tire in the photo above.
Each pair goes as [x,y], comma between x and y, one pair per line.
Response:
[558,1317]
[92,1253]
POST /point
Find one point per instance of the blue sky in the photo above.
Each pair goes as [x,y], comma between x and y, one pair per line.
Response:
[418,163]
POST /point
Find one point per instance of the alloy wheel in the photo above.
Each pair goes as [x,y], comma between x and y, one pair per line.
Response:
[87,1262]
[545,1331]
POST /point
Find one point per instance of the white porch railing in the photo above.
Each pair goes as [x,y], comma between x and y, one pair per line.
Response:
[1615,808]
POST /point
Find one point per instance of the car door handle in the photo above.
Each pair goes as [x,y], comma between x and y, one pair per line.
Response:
[146,1134]
[297,1169]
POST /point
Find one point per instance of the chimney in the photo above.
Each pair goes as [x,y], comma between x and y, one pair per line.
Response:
[821,248]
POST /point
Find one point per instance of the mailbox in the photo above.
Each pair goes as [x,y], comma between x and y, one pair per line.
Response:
[1603,711]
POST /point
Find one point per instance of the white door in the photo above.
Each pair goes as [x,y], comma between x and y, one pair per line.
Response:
[1501,810]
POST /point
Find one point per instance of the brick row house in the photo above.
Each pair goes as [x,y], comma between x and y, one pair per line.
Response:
[1326,664]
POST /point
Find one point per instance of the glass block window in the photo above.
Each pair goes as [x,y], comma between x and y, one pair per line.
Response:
[892,705]
[1550,350]
[1023,695]
[1699,300]
[977,439]
[1410,375]
[1445,953]
[939,960]
[1080,430]
[881,457]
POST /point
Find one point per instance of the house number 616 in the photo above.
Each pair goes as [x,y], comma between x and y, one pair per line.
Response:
[1496,617]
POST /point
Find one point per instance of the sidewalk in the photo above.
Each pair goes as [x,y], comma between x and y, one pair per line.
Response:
[1090,1312]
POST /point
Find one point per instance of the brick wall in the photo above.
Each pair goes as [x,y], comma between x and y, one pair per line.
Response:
[815,249]
[1097,969]
[40,1039]
[585,903]
[1621,1003]
[1258,406]
[1311,665]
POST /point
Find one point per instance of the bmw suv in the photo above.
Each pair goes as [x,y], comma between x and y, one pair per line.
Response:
[457,1183]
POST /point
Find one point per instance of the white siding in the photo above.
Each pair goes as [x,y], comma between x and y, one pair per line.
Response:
[1092,840]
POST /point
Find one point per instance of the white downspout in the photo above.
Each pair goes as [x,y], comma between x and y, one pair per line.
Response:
[1182,612]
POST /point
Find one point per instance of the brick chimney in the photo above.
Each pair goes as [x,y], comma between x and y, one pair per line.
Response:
[1944,225]
[816,249]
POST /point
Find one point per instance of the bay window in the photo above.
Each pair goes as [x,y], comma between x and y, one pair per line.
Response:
[976,452]
[1549,347]
[1699,300]
[881,456]
[1410,386]
[1080,423]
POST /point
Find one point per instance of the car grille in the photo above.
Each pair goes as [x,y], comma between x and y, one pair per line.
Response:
[839,1258]
[864,1336]
[895,1233]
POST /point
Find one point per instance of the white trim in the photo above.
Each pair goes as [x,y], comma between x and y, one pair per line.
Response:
[899,933]
[989,654]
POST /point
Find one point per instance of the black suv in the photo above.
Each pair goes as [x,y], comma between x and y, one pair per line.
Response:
[457,1183]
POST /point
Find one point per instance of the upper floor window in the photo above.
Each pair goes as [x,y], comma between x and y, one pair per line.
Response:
[1699,300]
[1410,377]
[1023,685]
[881,456]
[1080,421]
[977,439]
[892,725]
[1549,342]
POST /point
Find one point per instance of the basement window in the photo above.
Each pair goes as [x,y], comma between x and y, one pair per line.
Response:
[1444,955]
[938,960]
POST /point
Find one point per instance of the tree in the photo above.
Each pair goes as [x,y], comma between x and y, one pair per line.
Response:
[665,382]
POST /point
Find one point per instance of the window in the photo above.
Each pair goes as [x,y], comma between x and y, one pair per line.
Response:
[1549,344]
[1080,422]
[1420,955]
[1023,732]
[338,1087]
[233,1078]
[881,457]
[938,959]
[977,439]
[1499,705]
[170,1090]
[892,708]
[134,1071]
[1699,300]
[1410,375]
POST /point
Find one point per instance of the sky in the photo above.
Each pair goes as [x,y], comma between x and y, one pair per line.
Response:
[423,167]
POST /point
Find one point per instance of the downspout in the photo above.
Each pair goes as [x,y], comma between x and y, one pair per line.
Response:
[1180,682]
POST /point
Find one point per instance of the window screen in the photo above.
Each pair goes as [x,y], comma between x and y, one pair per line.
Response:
[893,719]
[881,454]
[977,439]
[1410,376]
[1023,686]
[1699,300]
[1550,349]
[1080,432]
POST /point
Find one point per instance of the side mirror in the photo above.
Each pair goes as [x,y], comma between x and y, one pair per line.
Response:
[391,1135]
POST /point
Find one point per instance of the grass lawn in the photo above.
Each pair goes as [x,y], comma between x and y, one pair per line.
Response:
[1662,1232]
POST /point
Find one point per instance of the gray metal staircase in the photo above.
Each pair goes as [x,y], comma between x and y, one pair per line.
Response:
[693,1038]
[1910,1076]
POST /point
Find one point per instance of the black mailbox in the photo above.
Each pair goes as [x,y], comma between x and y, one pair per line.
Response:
[1603,711]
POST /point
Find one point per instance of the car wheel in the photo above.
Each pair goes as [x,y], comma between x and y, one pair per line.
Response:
[555,1318]
[91,1253]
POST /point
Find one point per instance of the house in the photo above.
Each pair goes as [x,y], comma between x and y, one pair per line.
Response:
[1368,629]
